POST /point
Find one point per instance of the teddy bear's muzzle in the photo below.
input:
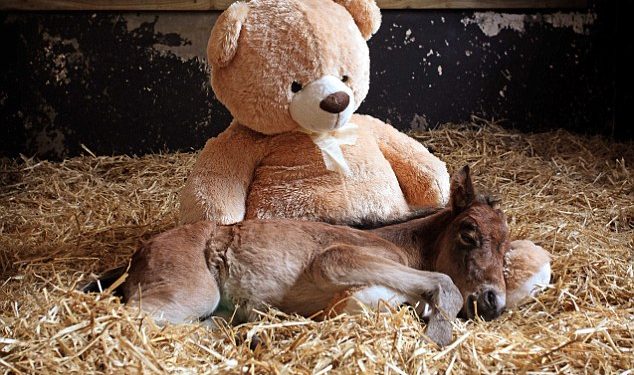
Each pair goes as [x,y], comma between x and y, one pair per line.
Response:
[323,105]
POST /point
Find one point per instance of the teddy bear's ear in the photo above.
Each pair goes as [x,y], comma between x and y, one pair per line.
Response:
[366,15]
[223,42]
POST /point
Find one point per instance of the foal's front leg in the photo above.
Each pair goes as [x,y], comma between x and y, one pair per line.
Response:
[344,266]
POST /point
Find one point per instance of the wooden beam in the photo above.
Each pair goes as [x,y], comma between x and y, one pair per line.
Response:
[201,5]
[481,4]
[115,5]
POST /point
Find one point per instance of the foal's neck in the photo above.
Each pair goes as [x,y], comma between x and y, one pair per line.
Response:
[418,237]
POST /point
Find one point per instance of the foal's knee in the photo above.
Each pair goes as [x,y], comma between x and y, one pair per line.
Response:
[448,296]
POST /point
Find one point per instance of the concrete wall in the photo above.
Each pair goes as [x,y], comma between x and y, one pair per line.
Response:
[136,83]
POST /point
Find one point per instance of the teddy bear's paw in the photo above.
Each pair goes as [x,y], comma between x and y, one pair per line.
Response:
[432,187]
[526,271]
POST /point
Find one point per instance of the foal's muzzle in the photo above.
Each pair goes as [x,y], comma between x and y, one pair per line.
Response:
[488,304]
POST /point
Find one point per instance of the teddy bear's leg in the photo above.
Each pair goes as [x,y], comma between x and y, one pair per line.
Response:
[526,271]
[217,187]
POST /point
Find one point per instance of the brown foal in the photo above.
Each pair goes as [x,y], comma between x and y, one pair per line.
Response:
[451,260]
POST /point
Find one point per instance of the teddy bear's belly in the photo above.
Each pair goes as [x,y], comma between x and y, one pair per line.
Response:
[288,186]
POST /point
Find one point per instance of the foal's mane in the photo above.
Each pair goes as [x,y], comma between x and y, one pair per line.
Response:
[419,213]
[490,199]
[414,214]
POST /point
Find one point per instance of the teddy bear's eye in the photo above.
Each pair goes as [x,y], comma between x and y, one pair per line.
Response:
[296,86]
[345,79]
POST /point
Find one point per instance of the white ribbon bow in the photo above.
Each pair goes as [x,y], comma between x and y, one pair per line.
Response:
[330,145]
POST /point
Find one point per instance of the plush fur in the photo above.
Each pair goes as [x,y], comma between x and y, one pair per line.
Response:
[267,164]
[272,181]
[527,271]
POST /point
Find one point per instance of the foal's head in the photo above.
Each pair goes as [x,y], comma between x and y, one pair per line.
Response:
[471,249]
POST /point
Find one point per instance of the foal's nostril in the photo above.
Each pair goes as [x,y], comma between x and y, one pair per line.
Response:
[336,102]
[490,299]
[487,305]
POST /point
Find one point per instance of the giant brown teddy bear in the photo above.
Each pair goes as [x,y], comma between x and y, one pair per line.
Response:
[292,73]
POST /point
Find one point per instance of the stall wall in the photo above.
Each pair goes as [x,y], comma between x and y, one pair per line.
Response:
[134,83]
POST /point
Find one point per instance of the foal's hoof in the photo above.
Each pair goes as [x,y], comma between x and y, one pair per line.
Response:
[439,331]
[254,343]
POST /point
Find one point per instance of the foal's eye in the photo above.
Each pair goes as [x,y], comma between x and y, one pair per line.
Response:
[345,79]
[468,238]
[468,235]
[296,86]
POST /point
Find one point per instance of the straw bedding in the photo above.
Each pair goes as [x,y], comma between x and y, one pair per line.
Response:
[61,221]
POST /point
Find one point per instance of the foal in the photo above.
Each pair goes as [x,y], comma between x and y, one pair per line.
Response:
[300,266]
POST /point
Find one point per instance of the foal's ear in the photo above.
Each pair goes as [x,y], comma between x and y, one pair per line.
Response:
[462,192]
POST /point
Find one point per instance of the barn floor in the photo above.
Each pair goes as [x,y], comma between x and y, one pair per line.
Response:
[61,221]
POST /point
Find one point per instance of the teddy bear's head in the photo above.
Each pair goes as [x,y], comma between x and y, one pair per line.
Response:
[280,65]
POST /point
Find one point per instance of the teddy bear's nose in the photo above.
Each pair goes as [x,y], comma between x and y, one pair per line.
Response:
[335,102]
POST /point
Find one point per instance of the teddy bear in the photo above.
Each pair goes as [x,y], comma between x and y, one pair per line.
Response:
[292,73]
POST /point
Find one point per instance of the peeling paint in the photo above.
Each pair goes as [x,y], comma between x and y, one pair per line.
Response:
[50,141]
[408,37]
[134,21]
[492,23]
[579,22]
[502,92]
[192,29]
[61,59]
[419,123]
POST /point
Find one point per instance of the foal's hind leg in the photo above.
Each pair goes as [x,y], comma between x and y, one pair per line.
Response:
[352,266]
[178,302]
[169,277]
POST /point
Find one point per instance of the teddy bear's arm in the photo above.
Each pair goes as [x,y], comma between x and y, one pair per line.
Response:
[218,186]
[422,176]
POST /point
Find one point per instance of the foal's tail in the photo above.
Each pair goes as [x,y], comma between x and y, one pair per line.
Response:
[106,281]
